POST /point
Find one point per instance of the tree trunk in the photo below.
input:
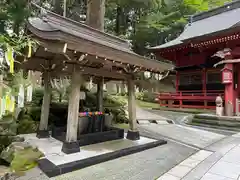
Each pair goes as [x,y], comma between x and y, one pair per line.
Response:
[118,21]
[96,13]
[16,28]
[60,97]
[57,7]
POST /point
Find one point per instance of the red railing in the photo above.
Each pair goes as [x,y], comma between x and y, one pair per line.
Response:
[182,98]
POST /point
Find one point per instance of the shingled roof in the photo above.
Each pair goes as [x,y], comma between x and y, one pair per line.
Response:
[82,38]
[206,23]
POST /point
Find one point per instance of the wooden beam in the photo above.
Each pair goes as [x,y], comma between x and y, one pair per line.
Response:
[133,133]
[132,105]
[43,126]
[95,72]
[100,94]
[101,50]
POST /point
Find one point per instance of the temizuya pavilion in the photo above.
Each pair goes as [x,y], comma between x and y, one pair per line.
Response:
[70,48]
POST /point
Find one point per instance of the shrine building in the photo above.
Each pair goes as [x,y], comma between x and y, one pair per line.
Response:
[207,59]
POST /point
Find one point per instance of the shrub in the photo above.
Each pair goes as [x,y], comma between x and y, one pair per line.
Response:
[27,125]
[34,113]
[5,141]
[116,101]
[37,97]
[139,96]
[148,96]
[91,99]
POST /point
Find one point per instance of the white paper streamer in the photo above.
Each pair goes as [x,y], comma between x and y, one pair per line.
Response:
[12,105]
[21,96]
[2,108]
[29,93]
[82,95]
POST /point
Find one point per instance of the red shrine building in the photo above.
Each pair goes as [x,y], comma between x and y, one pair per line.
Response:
[207,60]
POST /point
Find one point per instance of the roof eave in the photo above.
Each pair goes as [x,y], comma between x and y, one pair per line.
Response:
[122,56]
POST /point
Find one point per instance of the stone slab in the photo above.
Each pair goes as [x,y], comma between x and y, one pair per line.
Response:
[187,135]
[179,171]
[168,177]
[210,176]
[56,162]
[226,169]
[202,168]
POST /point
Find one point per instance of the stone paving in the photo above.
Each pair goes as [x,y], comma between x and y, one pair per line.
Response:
[222,163]
[179,171]
[56,156]
[187,135]
[146,165]
[191,154]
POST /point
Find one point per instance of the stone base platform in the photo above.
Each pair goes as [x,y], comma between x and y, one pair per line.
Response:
[230,123]
[56,162]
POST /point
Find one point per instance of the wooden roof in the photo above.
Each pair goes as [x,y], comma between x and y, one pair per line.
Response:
[63,40]
[210,23]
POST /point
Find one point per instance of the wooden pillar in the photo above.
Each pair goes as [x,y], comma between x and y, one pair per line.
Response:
[133,133]
[229,93]
[238,81]
[204,86]
[177,82]
[100,94]
[71,145]
[43,126]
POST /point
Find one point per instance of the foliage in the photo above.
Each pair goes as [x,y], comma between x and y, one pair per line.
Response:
[145,104]
[27,125]
[146,96]
[21,156]
[37,96]
[25,159]
[8,126]
[13,15]
[61,86]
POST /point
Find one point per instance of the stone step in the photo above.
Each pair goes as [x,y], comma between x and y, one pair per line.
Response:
[215,123]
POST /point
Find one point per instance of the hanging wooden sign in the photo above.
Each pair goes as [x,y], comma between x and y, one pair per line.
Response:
[227,76]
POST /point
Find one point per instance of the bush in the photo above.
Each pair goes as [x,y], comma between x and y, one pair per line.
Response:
[5,141]
[37,97]
[91,99]
[34,113]
[148,97]
[139,96]
[116,101]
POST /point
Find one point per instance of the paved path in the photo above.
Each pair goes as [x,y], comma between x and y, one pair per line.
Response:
[143,114]
[146,165]
[221,161]
[187,135]
[214,158]
[179,117]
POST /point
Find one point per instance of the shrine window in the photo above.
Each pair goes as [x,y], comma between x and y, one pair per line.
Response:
[213,77]
[192,78]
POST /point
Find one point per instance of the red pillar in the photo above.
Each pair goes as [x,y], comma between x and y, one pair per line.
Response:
[177,81]
[237,91]
[204,87]
[229,88]
[238,81]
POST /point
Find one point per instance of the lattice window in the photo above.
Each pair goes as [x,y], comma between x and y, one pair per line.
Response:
[213,77]
[188,79]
